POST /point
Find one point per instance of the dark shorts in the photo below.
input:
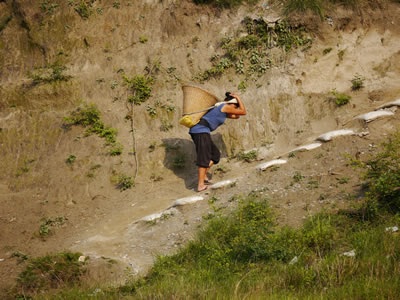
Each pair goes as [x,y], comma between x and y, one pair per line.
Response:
[205,149]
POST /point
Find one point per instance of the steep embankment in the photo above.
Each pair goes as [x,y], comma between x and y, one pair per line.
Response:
[288,106]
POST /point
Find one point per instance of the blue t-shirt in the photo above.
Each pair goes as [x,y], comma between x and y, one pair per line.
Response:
[215,118]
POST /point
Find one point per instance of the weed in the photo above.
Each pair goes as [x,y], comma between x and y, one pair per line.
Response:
[47,7]
[166,125]
[88,116]
[51,73]
[312,184]
[341,54]
[83,8]
[297,177]
[70,160]
[357,82]
[140,87]
[20,256]
[48,223]
[124,182]
[248,156]
[343,180]
[326,51]
[143,39]
[340,98]
[249,54]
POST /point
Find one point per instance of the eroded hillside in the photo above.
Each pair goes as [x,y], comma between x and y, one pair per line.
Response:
[57,55]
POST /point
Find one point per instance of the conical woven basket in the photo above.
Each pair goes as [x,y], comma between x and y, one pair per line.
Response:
[197,101]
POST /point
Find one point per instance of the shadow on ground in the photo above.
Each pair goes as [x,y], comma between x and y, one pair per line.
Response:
[180,157]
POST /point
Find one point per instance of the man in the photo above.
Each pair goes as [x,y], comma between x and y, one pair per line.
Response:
[207,152]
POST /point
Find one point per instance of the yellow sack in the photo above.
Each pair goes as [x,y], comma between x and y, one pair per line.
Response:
[188,121]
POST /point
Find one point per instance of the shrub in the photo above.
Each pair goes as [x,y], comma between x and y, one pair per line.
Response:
[340,98]
[124,182]
[140,87]
[88,116]
[383,176]
[248,156]
[50,272]
[357,82]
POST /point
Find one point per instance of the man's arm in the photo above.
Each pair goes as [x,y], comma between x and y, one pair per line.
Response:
[234,111]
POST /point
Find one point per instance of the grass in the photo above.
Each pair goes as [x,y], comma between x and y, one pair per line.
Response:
[245,254]
[23,146]
[88,116]
[249,51]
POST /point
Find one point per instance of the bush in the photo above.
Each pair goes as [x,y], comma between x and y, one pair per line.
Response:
[50,272]
[383,175]
[340,98]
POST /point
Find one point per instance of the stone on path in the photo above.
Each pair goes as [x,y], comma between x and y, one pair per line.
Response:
[271,163]
[222,184]
[368,117]
[308,147]
[187,200]
[335,133]
[390,104]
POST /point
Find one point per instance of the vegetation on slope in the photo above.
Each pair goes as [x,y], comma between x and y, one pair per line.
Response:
[349,254]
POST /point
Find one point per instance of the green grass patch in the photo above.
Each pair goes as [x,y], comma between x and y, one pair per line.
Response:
[49,272]
[89,117]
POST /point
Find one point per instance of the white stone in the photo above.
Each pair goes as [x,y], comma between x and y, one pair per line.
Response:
[331,134]
[271,163]
[221,184]
[82,258]
[151,217]
[390,104]
[351,253]
[307,147]
[392,229]
[187,200]
[368,117]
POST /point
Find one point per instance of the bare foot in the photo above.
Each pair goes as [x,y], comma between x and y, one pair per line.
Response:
[200,189]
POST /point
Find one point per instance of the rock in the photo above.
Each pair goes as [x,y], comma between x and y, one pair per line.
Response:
[271,163]
[368,117]
[335,133]
[187,200]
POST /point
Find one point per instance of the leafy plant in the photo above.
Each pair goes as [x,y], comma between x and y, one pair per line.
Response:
[83,8]
[340,98]
[124,182]
[48,223]
[297,177]
[89,117]
[248,156]
[357,82]
[70,159]
[140,87]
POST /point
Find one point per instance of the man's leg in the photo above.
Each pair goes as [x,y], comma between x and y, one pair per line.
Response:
[202,173]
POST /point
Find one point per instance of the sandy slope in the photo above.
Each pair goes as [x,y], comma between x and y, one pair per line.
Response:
[291,108]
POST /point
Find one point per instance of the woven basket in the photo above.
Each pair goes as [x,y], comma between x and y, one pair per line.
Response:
[196,102]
